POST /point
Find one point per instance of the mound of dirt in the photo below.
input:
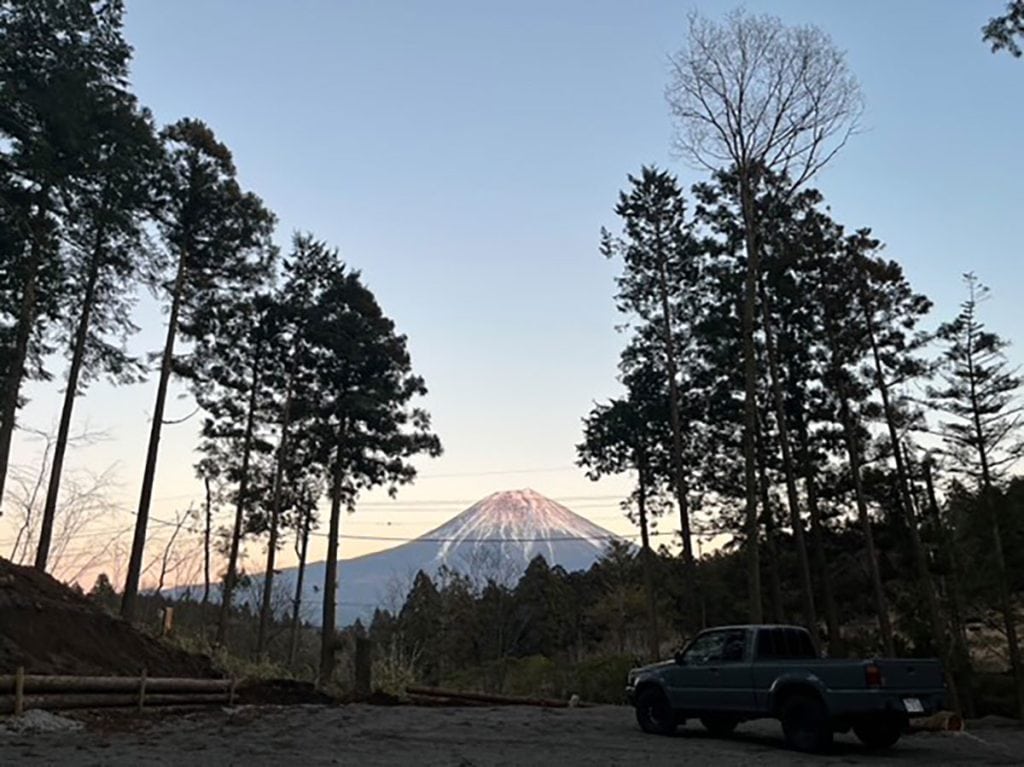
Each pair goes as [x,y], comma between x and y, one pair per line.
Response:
[49,629]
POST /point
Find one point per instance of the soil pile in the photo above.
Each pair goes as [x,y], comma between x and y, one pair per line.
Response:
[50,629]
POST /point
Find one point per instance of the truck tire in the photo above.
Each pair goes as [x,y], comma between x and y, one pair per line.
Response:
[653,712]
[719,725]
[878,733]
[805,723]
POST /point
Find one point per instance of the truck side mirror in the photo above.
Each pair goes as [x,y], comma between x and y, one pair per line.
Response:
[680,658]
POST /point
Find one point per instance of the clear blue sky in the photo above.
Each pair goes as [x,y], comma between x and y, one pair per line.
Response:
[464,155]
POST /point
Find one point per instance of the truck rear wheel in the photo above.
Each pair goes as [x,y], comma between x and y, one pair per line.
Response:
[805,723]
[653,712]
[878,733]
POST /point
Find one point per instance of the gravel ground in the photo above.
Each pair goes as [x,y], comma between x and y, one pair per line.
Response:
[458,737]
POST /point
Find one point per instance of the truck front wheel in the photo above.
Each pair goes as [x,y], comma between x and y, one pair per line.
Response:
[805,723]
[878,733]
[653,712]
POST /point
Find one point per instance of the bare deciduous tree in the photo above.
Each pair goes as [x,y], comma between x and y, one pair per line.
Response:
[750,94]
[76,545]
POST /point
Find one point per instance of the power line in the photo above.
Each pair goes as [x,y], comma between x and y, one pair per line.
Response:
[554,539]
[499,472]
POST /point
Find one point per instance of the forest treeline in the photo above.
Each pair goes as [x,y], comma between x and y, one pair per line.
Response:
[305,385]
[785,382]
[785,389]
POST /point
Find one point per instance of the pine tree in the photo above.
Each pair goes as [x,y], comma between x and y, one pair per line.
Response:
[660,270]
[981,396]
[217,238]
[63,64]
[362,414]
[890,311]
[107,255]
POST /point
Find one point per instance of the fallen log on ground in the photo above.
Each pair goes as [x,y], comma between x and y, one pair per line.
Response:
[480,697]
[45,683]
[112,700]
[439,701]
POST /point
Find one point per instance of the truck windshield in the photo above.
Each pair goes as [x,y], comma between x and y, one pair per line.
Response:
[784,644]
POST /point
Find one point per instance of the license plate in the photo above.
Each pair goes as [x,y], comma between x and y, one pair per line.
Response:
[913,705]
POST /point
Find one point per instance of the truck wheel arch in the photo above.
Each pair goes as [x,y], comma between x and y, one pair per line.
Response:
[650,684]
[787,689]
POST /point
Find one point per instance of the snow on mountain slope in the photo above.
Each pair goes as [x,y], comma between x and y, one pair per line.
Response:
[495,538]
[524,524]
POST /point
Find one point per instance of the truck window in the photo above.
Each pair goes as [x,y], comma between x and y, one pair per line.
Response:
[784,644]
[728,646]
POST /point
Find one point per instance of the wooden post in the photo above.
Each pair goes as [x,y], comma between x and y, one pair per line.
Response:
[232,690]
[19,691]
[142,689]
[364,667]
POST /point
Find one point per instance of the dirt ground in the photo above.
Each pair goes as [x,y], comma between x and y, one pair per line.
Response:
[458,737]
[49,629]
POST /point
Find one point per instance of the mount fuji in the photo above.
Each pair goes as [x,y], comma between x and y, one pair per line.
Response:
[495,538]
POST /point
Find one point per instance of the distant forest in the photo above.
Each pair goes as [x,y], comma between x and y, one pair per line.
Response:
[785,390]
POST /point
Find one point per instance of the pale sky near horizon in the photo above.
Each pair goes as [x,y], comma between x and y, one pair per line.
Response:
[464,156]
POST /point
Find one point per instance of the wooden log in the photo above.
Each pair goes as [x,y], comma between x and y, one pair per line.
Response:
[60,702]
[501,700]
[56,683]
[437,701]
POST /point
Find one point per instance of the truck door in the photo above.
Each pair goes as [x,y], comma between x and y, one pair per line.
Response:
[715,674]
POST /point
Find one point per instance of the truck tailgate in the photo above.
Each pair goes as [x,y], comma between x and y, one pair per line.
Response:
[910,675]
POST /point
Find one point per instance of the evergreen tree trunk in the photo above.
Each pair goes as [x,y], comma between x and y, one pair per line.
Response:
[647,557]
[131,586]
[750,396]
[329,630]
[789,473]
[909,518]
[956,595]
[836,645]
[206,547]
[293,642]
[207,532]
[23,334]
[70,392]
[693,589]
[854,456]
[771,534]
[1005,600]
[240,504]
[988,500]
[835,635]
[275,515]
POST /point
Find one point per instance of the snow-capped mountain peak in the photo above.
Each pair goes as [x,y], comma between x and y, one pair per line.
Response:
[523,518]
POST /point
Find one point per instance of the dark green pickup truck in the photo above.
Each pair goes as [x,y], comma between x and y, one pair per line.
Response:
[732,674]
